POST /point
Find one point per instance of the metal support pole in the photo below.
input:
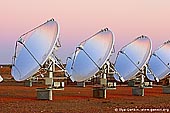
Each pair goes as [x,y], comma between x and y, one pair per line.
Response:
[143,76]
[143,80]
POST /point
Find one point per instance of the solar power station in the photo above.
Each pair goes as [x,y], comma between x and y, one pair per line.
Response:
[131,61]
[36,57]
[159,65]
[34,54]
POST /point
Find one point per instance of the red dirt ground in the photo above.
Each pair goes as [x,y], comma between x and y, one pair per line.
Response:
[16,98]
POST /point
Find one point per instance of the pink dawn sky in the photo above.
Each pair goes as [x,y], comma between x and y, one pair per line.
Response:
[78,20]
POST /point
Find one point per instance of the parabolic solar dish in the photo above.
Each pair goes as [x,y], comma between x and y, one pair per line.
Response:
[159,62]
[40,43]
[1,79]
[90,56]
[132,57]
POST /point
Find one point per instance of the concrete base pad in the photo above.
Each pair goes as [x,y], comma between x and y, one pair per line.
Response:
[137,91]
[44,93]
[81,84]
[131,83]
[99,92]
[166,89]
[28,83]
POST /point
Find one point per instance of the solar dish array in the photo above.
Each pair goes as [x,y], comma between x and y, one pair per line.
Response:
[90,55]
